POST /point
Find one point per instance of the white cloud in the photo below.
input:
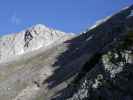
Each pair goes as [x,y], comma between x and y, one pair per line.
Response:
[15,19]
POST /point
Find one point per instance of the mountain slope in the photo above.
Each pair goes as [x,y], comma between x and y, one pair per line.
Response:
[75,68]
[107,74]
[18,72]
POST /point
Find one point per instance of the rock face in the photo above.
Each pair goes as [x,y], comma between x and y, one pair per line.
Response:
[108,73]
[28,40]
[96,65]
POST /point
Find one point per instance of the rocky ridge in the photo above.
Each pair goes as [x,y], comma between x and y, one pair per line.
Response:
[107,75]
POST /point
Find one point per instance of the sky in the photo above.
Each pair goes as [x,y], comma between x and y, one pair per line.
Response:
[65,15]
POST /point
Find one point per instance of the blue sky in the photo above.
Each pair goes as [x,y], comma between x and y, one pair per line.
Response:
[66,15]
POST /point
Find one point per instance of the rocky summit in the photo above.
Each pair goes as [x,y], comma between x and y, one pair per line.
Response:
[46,64]
[28,40]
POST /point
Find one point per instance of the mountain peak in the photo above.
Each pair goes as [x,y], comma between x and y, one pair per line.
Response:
[31,39]
[39,26]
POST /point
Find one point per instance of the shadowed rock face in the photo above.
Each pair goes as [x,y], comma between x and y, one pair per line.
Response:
[96,65]
[107,74]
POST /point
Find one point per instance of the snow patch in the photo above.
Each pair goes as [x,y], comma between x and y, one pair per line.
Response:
[100,22]
[89,38]
[131,14]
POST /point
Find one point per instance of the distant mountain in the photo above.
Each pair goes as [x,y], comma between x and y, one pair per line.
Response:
[31,39]
[45,64]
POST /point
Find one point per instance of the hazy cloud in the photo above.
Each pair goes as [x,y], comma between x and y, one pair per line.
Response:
[15,19]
